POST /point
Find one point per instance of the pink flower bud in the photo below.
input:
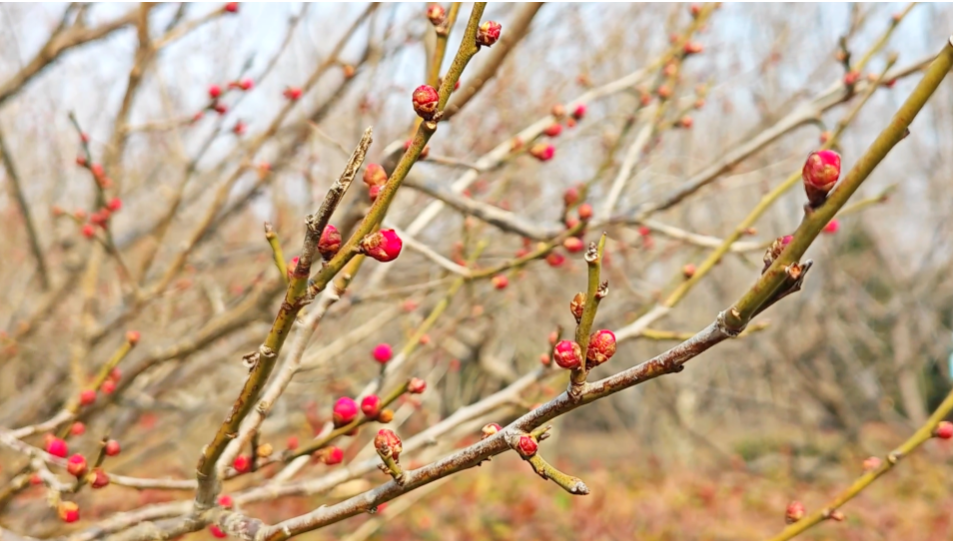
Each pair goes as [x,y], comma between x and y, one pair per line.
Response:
[693,47]
[112,448]
[571,196]
[374,175]
[555,259]
[436,14]
[231,7]
[242,464]
[98,478]
[871,463]
[388,444]
[585,211]
[57,447]
[686,122]
[246,84]
[330,242]
[108,386]
[425,99]
[77,429]
[214,91]
[579,111]
[794,512]
[416,386]
[383,353]
[490,429]
[944,430]
[500,281]
[220,108]
[688,270]
[114,204]
[87,397]
[213,529]
[820,173]
[332,455]
[345,411]
[574,245]
[527,446]
[554,130]
[383,245]
[832,227]
[133,338]
[68,511]
[292,93]
[568,354]
[239,128]
[488,33]
[542,152]
[851,78]
[292,443]
[225,501]
[76,465]
[601,347]
[371,406]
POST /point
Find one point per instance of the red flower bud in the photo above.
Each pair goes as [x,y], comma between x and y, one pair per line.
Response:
[824,137]
[579,111]
[664,92]
[214,91]
[77,429]
[57,447]
[820,173]
[577,305]
[112,448]
[213,529]
[114,204]
[571,196]
[220,108]
[87,397]
[242,464]
[388,444]
[374,175]
[68,511]
[555,259]
[35,479]
[225,501]
[832,227]
[81,161]
[371,406]
[695,10]
[490,429]
[542,152]
[98,478]
[383,245]
[133,338]
[851,78]
[332,455]
[692,47]
[500,281]
[568,354]
[345,411]
[794,512]
[292,443]
[585,211]
[416,386]
[436,14]
[574,245]
[108,386]
[383,353]
[425,100]
[231,7]
[688,270]
[944,430]
[330,242]
[488,33]
[527,446]
[76,465]
[871,463]
[601,347]
[685,122]
[554,130]
[292,93]
[246,84]
[239,128]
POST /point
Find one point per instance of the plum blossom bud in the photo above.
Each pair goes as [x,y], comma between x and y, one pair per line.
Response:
[944,430]
[112,448]
[231,7]
[774,251]
[345,410]
[114,204]
[383,353]
[68,511]
[242,464]
[601,347]
[87,397]
[686,122]
[416,386]
[214,91]
[488,33]
[851,78]
[542,152]
[579,111]
[371,406]
[213,529]
[330,242]
[585,211]
[689,270]
[693,47]
[97,478]
[292,93]
[264,450]
[571,196]
[385,416]
[436,14]
[794,512]
[527,446]
[388,444]
[57,447]
[226,501]
[133,338]
[554,130]
[76,465]
[332,456]
[490,429]
[500,281]
[568,354]
[374,175]
[77,429]
[577,305]
[425,100]
[832,227]
[383,245]
[871,463]
[555,259]
[820,173]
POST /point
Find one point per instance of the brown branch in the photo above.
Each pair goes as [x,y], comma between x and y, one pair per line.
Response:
[18,194]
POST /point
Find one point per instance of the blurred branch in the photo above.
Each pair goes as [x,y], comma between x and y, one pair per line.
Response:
[25,211]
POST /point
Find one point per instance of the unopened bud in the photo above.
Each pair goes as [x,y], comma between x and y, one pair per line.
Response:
[330,242]
[542,151]
[425,100]
[97,478]
[568,354]
[383,245]
[436,14]
[490,429]
[416,386]
[76,465]
[388,444]
[577,305]
[488,33]
[944,430]
[500,281]
[371,406]
[344,411]
[601,347]
[527,446]
[585,211]
[794,512]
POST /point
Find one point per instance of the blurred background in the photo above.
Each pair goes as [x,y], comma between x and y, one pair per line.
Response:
[846,369]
